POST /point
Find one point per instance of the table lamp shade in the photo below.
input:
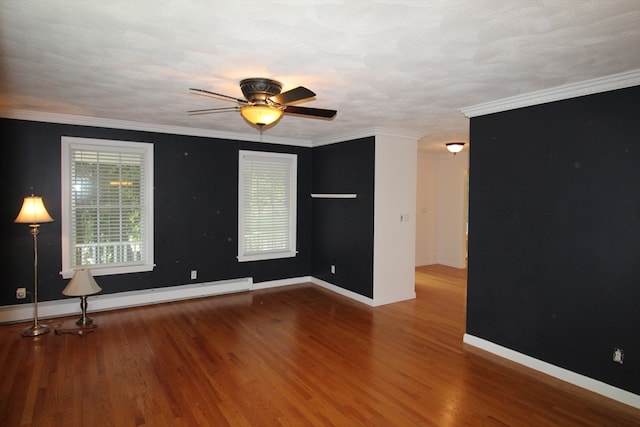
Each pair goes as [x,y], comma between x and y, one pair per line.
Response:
[82,283]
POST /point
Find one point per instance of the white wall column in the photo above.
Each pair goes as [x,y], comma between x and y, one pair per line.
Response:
[394,218]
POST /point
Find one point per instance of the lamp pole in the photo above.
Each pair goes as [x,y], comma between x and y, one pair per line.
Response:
[36,329]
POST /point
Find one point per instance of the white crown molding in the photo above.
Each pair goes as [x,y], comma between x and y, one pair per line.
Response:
[364,133]
[39,116]
[335,139]
[46,117]
[573,90]
[395,133]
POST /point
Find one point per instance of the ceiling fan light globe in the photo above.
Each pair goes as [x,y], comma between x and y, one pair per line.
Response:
[261,115]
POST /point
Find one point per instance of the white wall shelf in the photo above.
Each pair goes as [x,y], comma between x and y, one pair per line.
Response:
[334,196]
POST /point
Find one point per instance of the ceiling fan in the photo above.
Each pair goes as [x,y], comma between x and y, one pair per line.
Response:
[264,104]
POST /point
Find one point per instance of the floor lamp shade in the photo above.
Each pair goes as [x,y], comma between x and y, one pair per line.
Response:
[34,213]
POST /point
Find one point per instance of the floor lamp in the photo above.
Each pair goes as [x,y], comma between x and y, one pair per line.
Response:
[34,213]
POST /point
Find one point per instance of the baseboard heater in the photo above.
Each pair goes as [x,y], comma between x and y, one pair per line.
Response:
[103,302]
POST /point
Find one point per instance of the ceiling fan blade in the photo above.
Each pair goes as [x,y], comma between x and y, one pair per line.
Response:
[315,112]
[293,95]
[213,110]
[207,92]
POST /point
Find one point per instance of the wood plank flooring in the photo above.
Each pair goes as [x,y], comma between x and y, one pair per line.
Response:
[291,356]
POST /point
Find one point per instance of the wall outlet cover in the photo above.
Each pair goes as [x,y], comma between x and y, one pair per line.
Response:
[618,355]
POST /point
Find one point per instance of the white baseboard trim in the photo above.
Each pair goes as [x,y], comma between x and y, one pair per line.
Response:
[336,289]
[69,306]
[345,292]
[333,288]
[396,298]
[571,377]
[281,282]
[103,302]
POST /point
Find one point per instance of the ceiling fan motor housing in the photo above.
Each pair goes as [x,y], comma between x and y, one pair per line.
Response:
[258,89]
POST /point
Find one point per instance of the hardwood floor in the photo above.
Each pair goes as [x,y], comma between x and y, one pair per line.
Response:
[291,356]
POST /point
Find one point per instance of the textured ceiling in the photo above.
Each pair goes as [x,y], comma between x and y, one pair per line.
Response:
[402,66]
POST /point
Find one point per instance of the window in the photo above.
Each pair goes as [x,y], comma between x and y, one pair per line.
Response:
[107,206]
[266,205]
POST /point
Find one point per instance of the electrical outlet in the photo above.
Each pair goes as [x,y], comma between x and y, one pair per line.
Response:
[21,293]
[618,355]
[333,269]
[194,274]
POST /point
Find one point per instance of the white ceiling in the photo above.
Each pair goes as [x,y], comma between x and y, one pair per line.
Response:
[403,66]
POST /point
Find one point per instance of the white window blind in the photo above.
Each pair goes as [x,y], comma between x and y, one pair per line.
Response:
[109,212]
[266,205]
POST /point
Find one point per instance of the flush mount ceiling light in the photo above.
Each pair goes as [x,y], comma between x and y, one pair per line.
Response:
[455,147]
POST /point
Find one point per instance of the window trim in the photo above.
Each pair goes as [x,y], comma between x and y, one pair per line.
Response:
[293,190]
[68,142]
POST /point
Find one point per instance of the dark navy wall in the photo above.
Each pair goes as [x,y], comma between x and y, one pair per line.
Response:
[196,210]
[343,228]
[554,233]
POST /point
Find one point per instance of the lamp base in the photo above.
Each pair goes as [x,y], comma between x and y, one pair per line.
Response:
[35,330]
[84,321]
